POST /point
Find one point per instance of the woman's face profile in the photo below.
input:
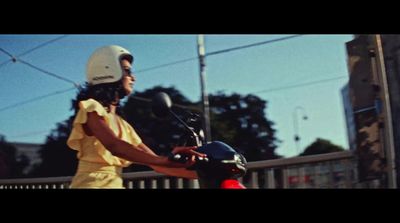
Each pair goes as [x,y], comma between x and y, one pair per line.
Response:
[128,78]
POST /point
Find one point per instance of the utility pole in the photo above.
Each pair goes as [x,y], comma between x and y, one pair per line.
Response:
[204,96]
[386,112]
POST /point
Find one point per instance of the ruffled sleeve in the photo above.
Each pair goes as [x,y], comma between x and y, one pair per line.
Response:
[77,133]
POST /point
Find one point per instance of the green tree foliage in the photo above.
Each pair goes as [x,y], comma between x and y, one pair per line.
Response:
[237,120]
[321,146]
[11,164]
[57,158]
[241,121]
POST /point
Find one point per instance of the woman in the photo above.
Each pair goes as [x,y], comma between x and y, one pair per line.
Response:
[106,142]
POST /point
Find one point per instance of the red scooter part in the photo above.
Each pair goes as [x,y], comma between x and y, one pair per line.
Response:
[232,184]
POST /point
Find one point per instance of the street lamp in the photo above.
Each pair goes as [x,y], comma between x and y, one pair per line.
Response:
[296,125]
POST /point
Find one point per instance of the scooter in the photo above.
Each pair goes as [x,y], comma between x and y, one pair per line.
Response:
[223,165]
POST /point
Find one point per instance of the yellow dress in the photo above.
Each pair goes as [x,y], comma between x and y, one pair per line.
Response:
[97,167]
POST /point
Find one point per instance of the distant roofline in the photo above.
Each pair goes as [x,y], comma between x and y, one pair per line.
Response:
[26,144]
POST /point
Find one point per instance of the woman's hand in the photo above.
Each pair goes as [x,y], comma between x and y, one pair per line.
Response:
[189,152]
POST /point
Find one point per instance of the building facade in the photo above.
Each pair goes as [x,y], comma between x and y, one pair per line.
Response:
[31,151]
[348,111]
[373,91]
[391,52]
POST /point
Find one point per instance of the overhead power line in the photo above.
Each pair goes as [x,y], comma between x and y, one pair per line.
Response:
[139,71]
[298,85]
[251,45]
[176,105]
[166,65]
[257,92]
[160,66]
[41,45]
[146,69]
[217,52]
[15,59]
[50,73]
[35,99]
[30,50]
[6,52]
[69,89]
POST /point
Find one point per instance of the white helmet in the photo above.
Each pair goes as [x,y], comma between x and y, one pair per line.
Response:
[104,65]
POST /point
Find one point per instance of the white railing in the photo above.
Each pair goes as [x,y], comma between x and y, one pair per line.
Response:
[332,170]
[36,183]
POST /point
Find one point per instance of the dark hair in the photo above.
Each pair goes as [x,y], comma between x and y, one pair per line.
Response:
[105,94]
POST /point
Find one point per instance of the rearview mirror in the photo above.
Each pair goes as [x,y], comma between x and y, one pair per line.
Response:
[161,105]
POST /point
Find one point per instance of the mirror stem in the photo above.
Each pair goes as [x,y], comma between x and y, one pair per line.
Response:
[184,124]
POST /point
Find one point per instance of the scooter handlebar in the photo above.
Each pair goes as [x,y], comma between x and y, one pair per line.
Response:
[183,158]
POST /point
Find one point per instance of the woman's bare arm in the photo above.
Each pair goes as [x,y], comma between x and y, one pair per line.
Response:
[122,149]
[177,172]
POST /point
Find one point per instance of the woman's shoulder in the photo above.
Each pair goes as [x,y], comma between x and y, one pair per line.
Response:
[89,101]
[90,105]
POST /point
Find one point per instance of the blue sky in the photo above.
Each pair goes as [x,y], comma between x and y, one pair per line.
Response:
[258,70]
